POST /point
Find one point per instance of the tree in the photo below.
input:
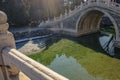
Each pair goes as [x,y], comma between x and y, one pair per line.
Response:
[24,12]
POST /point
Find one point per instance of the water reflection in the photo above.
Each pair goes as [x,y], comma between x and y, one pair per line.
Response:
[41,42]
[81,61]
[107,43]
[69,67]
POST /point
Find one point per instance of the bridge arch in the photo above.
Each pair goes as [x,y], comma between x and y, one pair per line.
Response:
[89,21]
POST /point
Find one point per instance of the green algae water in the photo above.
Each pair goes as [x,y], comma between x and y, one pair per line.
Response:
[79,59]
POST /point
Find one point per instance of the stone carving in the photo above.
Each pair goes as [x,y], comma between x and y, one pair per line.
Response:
[6,40]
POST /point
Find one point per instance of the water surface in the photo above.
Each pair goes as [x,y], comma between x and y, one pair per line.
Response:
[69,67]
[79,59]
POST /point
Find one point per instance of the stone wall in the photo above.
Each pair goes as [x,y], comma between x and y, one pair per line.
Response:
[22,35]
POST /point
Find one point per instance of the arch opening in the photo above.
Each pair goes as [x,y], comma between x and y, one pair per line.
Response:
[90,22]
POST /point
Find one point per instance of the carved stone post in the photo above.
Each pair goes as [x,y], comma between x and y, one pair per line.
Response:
[54,18]
[6,40]
[65,12]
[108,3]
[61,16]
[81,5]
[75,7]
[70,10]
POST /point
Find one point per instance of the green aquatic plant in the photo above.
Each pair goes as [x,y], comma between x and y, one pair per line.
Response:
[96,63]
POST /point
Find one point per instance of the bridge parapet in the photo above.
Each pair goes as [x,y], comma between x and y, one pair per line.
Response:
[106,4]
[33,69]
[101,3]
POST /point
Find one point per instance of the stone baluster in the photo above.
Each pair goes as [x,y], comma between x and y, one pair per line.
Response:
[75,7]
[98,1]
[81,5]
[88,1]
[61,25]
[61,15]
[6,39]
[108,3]
[65,12]
[48,20]
[54,18]
[70,11]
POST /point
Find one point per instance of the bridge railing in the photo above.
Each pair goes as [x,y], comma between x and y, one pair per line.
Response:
[33,69]
[107,4]
[12,61]
[115,5]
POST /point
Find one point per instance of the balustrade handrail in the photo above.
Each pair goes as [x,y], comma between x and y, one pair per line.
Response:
[101,3]
[33,69]
[87,4]
[116,4]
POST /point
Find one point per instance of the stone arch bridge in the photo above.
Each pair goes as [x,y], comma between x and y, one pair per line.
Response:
[87,17]
[82,20]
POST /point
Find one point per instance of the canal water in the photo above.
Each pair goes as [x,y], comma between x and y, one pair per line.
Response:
[82,58]
[69,66]
[89,57]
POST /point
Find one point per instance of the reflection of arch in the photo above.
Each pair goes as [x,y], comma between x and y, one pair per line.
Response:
[90,19]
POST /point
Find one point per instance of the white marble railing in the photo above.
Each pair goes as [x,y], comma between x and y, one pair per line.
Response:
[106,4]
[33,69]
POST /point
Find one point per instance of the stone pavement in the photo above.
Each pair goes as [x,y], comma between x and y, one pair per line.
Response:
[21,76]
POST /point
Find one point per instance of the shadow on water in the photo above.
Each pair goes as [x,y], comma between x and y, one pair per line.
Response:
[91,41]
[102,41]
[41,42]
[99,42]
[19,45]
